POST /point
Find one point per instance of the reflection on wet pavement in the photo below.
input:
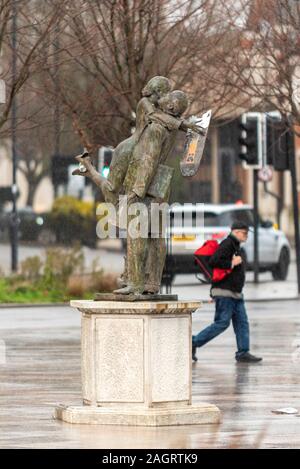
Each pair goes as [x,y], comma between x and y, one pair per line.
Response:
[43,368]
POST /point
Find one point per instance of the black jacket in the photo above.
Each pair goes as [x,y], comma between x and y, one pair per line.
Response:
[222,258]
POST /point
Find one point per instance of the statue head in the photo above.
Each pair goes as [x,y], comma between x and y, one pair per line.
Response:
[174,103]
[157,87]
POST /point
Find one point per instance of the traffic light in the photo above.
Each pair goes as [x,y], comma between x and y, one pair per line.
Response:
[105,157]
[249,141]
[280,144]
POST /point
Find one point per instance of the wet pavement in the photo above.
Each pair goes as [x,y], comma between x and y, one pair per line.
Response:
[40,367]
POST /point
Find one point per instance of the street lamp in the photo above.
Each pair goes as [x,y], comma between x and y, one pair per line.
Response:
[14,189]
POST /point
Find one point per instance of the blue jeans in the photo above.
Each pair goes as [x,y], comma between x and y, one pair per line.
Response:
[227,309]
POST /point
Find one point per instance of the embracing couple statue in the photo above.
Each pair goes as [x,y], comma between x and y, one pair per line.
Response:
[138,171]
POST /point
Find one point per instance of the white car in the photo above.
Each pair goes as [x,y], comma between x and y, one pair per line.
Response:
[274,248]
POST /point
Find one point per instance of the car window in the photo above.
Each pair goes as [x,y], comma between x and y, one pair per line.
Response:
[211,219]
[223,219]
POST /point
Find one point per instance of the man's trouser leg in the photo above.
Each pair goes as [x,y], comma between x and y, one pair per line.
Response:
[155,263]
[241,327]
[223,314]
[136,259]
[158,213]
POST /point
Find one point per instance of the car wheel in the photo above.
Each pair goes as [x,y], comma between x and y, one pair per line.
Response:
[280,270]
[46,237]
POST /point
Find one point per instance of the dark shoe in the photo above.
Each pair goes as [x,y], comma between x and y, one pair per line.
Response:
[247,358]
[194,356]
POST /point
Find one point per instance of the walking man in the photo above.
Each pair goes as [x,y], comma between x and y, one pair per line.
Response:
[228,296]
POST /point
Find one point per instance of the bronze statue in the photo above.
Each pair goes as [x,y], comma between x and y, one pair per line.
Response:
[138,171]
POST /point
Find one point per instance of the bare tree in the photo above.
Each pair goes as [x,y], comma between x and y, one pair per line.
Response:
[4,18]
[37,135]
[34,25]
[265,64]
[110,49]
[89,60]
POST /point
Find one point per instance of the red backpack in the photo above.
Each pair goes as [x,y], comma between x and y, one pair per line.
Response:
[202,257]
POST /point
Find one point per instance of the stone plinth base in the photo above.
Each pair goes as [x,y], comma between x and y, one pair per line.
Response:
[191,415]
[134,297]
[136,365]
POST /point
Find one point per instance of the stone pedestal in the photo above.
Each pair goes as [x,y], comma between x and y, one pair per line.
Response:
[136,365]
